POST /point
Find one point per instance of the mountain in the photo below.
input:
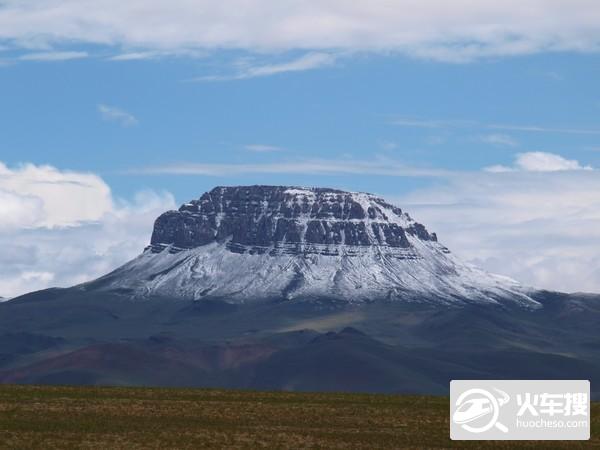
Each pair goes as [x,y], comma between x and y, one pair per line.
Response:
[261,243]
[270,287]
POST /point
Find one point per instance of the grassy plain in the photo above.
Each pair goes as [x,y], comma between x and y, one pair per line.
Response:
[109,418]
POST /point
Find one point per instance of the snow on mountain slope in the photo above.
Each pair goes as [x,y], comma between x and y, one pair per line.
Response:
[254,243]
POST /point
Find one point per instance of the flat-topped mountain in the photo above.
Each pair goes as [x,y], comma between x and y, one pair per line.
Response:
[256,243]
[257,219]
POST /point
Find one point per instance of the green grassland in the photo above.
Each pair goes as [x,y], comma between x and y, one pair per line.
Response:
[103,418]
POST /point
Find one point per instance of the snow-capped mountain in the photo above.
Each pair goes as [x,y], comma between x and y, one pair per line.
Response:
[251,243]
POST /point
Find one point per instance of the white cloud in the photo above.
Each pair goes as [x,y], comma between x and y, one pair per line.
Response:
[155,54]
[455,31]
[134,56]
[540,129]
[377,166]
[53,56]
[499,139]
[454,124]
[114,114]
[59,228]
[540,228]
[263,148]
[17,210]
[497,168]
[308,61]
[539,162]
[305,62]
[547,162]
[42,196]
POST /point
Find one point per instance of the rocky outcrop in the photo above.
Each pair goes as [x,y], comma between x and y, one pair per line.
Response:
[257,218]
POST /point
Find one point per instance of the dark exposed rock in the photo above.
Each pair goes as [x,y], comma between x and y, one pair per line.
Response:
[258,217]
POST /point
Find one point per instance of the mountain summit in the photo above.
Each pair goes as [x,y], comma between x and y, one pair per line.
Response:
[253,243]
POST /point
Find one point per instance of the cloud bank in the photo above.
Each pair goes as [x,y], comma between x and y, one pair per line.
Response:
[59,228]
[457,31]
[538,222]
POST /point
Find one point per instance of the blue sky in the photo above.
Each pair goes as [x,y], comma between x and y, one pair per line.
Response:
[481,120]
[420,113]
